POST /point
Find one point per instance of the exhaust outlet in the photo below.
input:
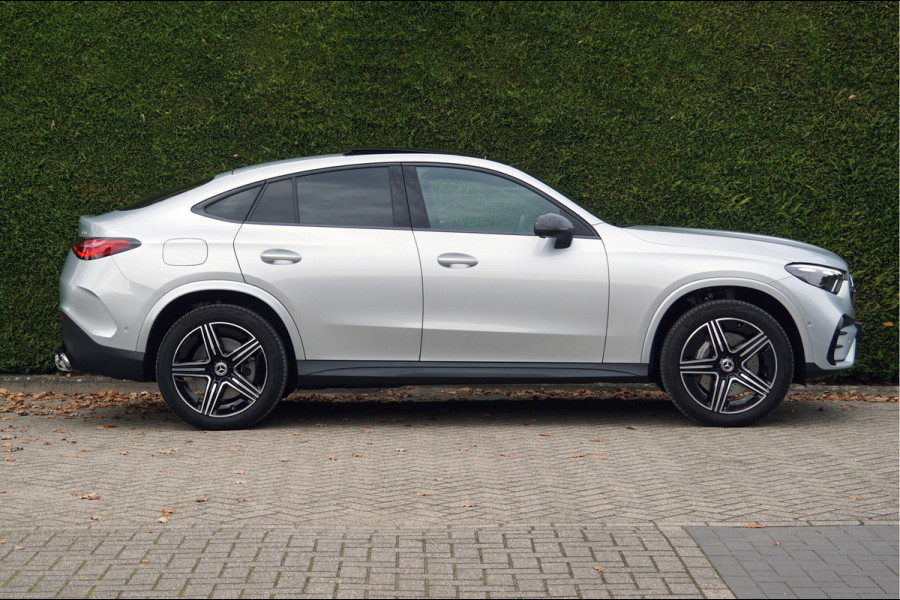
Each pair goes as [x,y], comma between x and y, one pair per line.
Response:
[61,360]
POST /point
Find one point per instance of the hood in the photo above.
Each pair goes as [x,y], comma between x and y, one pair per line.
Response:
[751,243]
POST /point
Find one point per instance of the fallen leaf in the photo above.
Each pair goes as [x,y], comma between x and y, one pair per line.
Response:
[97,517]
[545,434]
[168,512]
[468,505]
[422,494]
[776,543]
[18,547]
[598,440]
[239,500]
[90,496]
[201,499]
[367,430]
[123,452]
[357,455]
[400,449]
[598,568]
[888,324]
[285,460]
[754,526]
[332,458]
[856,497]
[145,560]
[508,454]
[577,456]
[239,482]
[632,427]
[162,520]
[602,457]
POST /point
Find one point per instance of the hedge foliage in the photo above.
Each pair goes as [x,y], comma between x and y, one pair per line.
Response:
[774,117]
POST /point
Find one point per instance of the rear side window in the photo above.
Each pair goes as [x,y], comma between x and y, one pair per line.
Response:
[346,198]
[233,207]
[276,205]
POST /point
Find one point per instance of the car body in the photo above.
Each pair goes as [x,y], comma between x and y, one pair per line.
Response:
[393,267]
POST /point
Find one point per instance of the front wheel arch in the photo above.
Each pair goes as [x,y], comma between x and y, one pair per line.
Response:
[749,295]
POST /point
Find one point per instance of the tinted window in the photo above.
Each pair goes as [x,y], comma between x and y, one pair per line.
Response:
[347,198]
[234,207]
[276,205]
[460,199]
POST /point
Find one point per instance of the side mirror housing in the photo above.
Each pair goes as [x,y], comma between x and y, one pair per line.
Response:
[555,226]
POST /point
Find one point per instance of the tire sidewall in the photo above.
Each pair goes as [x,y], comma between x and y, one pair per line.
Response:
[678,335]
[272,346]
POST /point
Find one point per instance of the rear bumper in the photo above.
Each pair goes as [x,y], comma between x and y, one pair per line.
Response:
[86,355]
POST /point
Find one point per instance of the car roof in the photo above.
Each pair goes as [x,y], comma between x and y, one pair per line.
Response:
[255,173]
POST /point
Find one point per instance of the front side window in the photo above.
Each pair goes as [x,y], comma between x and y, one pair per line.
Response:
[466,200]
[346,198]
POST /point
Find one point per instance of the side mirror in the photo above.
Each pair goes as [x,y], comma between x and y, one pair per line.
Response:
[555,226]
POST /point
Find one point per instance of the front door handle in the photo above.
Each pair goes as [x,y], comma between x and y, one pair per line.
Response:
[455,260]
[277,256]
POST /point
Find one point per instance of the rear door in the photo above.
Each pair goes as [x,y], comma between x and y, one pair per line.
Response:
[336,248]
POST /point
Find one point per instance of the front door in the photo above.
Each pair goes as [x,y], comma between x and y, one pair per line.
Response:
[495,292]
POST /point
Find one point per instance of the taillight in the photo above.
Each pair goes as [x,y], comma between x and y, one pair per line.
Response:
[92,248]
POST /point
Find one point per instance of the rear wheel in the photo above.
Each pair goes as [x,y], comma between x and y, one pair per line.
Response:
[221,367]
[726,363]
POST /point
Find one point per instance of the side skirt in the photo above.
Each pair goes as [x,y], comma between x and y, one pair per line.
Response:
[362,373]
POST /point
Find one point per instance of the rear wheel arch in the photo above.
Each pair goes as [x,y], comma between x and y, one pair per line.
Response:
[184,304]
[758,298]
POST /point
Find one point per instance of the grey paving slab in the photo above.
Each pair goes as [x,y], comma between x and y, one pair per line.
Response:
[773,569]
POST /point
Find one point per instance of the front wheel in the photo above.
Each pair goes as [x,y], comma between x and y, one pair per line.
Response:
[221,366]
[726,363]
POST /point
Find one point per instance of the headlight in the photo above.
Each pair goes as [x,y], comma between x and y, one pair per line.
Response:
[822,277]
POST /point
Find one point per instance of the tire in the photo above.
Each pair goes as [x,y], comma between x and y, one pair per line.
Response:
[726,363]
[221,366]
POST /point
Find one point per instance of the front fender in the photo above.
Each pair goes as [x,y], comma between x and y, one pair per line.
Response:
[672,297]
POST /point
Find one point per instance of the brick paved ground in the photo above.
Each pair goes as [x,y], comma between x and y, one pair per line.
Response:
[401,499]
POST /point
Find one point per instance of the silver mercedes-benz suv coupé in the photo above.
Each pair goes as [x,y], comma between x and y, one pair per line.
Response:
[392,267]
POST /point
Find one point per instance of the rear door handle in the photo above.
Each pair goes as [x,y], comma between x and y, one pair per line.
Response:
[455,260]
[277,256]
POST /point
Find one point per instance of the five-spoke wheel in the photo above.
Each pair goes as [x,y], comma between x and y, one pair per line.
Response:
[726,362]
[221,367]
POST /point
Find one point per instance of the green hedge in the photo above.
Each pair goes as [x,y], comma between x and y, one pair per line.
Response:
[775,118]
